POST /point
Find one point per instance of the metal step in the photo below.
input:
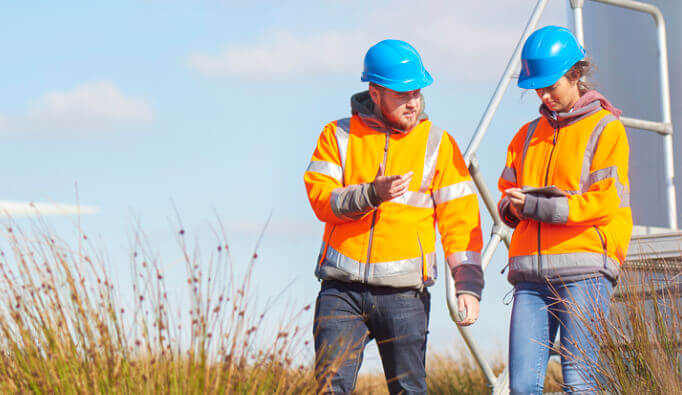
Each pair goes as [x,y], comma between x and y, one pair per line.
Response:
[654,249]
[653,265]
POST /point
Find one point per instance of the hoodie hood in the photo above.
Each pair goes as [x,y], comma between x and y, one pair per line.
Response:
[361,104]
[589,103]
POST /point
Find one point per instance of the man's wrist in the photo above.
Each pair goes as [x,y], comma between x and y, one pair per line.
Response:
[373,196]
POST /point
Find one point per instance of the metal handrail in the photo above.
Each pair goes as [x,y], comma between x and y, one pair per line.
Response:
[664,83]
[500,232]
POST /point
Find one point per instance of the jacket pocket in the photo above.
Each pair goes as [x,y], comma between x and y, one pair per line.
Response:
[325,247]
[603,240]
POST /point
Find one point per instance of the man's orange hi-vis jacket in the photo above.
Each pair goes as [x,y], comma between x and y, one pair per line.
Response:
[393,244]
[582,235]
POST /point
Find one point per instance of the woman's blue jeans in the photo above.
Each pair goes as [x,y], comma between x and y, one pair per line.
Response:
[540,309]
[349,315]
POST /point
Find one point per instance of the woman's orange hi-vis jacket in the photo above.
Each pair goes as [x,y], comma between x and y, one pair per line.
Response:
[393,244]
[586,233]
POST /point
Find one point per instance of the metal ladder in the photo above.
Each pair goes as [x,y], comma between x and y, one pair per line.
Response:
[500,232]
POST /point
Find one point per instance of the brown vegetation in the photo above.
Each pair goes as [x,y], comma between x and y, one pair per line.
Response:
[64,329]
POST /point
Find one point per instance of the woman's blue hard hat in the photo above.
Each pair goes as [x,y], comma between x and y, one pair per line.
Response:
[396,65]
[547,55]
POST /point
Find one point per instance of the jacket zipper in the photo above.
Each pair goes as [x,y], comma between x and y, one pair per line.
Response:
[374,214]
[555,138]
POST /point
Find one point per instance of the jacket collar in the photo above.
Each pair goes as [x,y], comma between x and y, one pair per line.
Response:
[588,104]
[361,104]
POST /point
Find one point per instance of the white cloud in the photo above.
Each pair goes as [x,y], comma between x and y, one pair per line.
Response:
[93,108]
[285,53]
[31,209]
[466,40]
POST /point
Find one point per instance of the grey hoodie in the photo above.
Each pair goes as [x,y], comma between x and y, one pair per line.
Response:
[361,104]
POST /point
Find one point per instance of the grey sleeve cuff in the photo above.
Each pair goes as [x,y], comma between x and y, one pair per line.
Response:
[546,209]
[468,280]
[372,194]
[354,201]
[505,213]
[477,296]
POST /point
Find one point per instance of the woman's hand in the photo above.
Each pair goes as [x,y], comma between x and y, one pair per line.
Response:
[517,199]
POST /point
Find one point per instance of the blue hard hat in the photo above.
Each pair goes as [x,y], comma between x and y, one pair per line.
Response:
[395,65]
[547,55]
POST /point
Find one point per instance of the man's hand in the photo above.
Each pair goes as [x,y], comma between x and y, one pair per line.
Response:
[469,304]
[517,199]
[391,187]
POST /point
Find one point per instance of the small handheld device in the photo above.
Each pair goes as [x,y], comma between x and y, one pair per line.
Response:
[461,315]
[548,191]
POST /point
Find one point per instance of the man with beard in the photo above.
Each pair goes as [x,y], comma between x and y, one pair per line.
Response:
[380,181]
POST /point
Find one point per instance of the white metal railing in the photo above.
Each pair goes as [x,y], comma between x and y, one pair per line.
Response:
[500,232]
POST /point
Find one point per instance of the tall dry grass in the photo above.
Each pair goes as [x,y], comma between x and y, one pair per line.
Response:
[641,340]
[456,373]
[65,330]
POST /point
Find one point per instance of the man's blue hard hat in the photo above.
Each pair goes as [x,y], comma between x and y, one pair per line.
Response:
[547,55]
[395,65]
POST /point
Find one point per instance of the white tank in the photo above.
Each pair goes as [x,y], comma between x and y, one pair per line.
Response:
[622,45]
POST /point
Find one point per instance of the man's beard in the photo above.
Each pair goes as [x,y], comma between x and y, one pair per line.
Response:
[395,123]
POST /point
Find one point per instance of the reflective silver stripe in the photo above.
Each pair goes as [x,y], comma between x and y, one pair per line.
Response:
[464,258]
[416,199]
[602,174]
[334,203]
[509,174]
[327,168]
[561,267]
[431,156]
[400,273]
[591,148]
[624,195]
[342,136]
[606,173]
[526,144]
[454,191]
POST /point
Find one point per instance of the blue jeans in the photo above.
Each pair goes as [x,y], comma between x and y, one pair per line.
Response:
[349,315]
[542,309]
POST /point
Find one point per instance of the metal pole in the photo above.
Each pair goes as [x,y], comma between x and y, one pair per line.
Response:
[665,97]
[659,127]
[667,119]
[489,250]
[451,292]
[485,194]
[577,6]
[670,181]
[504,83]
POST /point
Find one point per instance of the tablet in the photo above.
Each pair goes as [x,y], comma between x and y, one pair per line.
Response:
[549,191]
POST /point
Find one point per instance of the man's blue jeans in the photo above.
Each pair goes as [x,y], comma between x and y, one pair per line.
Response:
[539,311]
[349,315]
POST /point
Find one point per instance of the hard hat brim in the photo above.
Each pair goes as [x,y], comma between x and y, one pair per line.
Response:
[399,86]
[539,82]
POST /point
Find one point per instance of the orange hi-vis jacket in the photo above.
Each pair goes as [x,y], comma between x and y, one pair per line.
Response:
[586,233]
[393,244]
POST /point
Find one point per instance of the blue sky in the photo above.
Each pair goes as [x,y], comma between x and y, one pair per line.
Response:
[214,108]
